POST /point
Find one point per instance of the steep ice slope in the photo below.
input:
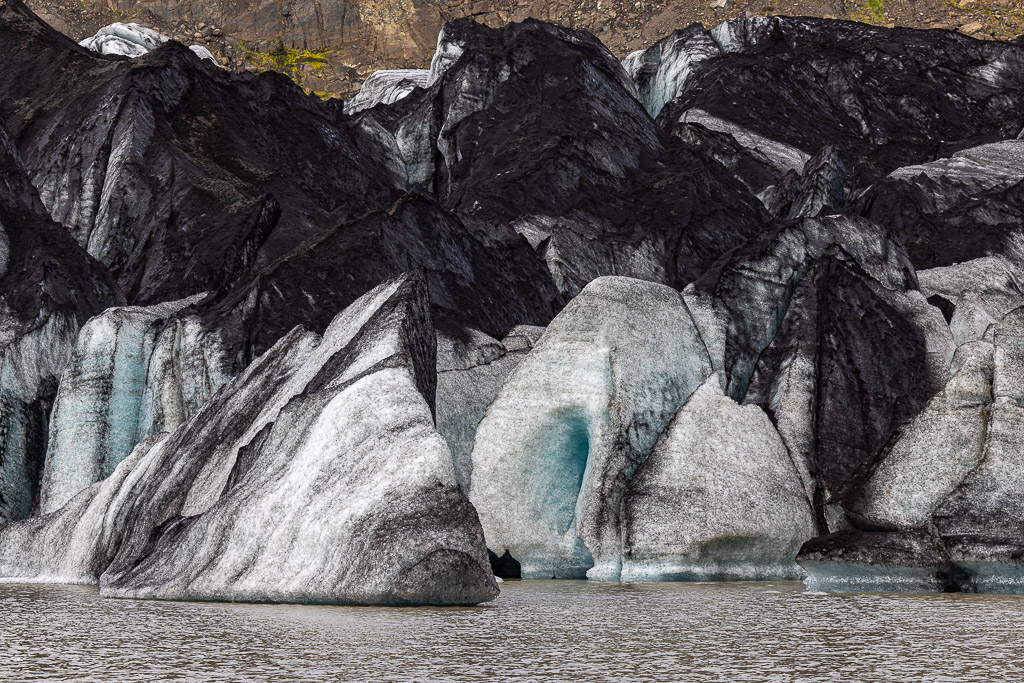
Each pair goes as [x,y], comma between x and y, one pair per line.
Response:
[820,323]
[742,301]
[717,499]
[538,127]
[662,70]
[557,447]
[386,86]
[946,481]
[853,363]
[493,281]
[955,474]
[48,288]
[884,97]
[239,502]
[471,369]
[133,375]
[933,454]
[819,189]
[981,523]
[174,174]
[352,463]
[967,206]
[782,320]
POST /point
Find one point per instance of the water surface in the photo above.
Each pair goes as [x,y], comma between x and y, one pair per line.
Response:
[536,630]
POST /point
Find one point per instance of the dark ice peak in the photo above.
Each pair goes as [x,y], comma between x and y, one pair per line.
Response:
[885,97]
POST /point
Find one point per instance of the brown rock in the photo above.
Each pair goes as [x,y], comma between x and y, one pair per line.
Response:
[376,34]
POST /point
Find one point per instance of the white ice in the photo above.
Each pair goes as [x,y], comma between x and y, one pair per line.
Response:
[557,447]
[134,40]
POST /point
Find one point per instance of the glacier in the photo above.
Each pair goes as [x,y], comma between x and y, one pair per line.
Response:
[718,498]
[236,502]
[48,288]
[471,369]
[132,375]
[662,70]
[746,304]
[867,562]
[557,447]
[133,40]
[386,86]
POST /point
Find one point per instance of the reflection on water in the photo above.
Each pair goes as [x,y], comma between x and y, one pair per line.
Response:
[550,630]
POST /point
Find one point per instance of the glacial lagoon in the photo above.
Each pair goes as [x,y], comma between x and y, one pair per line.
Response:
[535,630]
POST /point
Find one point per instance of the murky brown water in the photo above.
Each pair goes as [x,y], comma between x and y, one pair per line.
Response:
[536,630]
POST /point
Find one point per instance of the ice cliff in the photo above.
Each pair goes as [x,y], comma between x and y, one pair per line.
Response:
[134,373]
[49,287]
[321,443]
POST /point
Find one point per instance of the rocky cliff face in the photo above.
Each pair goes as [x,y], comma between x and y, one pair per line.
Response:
[743,305]
[331,46]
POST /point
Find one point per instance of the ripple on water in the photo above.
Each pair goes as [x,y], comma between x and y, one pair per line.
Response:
[551,630]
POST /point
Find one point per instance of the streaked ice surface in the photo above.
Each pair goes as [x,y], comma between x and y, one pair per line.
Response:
[536,630]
